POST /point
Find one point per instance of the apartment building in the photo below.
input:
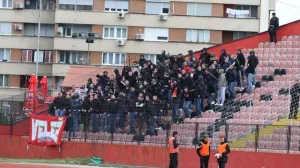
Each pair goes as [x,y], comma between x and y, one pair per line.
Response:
[123,30]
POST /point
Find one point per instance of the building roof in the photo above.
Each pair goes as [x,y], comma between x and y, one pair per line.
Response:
[77,75]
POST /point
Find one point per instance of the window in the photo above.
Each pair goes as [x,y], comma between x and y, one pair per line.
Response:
[157,6]
[71,57]
[199,9]
[47,30]
[39,56]
[69,29]
[27,55]
[4,54]
[6,3]
[156,34]
[64,57]
[116,6]
[239,35]
[3,80]
[48,57]
[76,4]
[115,32]
[5,28]
[253,10]
[150,57]
[59,80]
[46,4]
[202,36]
[116,59]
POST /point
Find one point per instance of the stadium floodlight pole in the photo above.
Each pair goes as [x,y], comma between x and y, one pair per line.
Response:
[38,45]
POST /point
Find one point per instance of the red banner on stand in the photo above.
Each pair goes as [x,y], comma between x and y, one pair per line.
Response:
[46,130]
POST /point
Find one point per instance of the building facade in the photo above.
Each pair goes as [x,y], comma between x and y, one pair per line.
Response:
[123,29]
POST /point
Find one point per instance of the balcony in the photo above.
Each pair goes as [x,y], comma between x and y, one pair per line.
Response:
[142,20]
[70,44]
[7,93]
[27,16]
[238,2]
[21,42]
[23,68]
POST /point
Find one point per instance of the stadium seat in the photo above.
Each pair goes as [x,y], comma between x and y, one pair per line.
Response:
[261,45]
[284,38]
[290,38]
[282,146]
[272,51]
[295,146]
[275,145]
[283,44]
[272,45]
[282,65]
[260,51]
[295,38]
[266,51]
[278,45]
[268,145]
[295,51]
[295,44]
[266,44]
[289,44]
[275,138]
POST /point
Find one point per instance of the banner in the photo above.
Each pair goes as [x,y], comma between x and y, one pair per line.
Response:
[46,130]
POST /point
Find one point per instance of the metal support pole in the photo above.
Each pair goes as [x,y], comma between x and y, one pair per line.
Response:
[88,53]
[38,45]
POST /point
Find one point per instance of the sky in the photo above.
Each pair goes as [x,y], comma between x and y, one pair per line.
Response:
[287,11]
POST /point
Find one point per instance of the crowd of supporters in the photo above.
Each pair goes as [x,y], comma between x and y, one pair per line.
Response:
[141,96]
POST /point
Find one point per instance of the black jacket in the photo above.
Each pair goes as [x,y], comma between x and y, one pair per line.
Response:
[112,106]
[96,106]
[241,59]
[58,102]
[231,75]
[274,22]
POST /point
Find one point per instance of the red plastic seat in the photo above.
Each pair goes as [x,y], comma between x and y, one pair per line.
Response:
[283,44]
[282,64]
[261,144]
[268,145]
[290,38]
[275,145]
[295,51]
[295,64]
[266,44]
[295,146]
[272,51]
[289,44]
[295,38]
[266,51]
[282,146]
[295,44]
[278,45]
[261,45]
[284,38]
[275,138]
[260,51]
[272,45]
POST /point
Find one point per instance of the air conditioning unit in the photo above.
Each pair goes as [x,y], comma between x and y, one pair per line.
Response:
[120,42]
[121,15]
[163,17]
[19,5]
[140,36]
[18,27]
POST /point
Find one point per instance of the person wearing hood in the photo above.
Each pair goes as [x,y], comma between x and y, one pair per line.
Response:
[199,94]
[250,71]
[242,60]
[222,84]
[205,57]
[142,60]
[223,57]
[203,151]
[274,24]
[223,151]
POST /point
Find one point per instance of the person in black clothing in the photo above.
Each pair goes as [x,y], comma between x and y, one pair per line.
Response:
[203,151]
[187,98]
[295,94]
[75,108]
[223,151]
[142,61]
[273,27]
[242,60]
[238,69]
[222,58]
[250,71]
[231,76]
[86,111]
[205,57]
[156,111]
[112,110]
[199,94]
[58,105]
[96,108]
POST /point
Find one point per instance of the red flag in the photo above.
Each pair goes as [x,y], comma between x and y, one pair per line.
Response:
[46,130]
